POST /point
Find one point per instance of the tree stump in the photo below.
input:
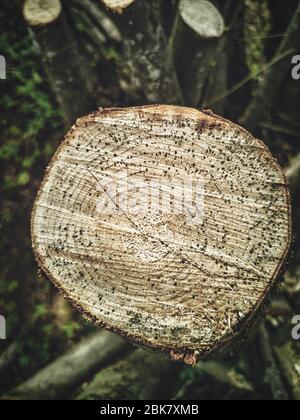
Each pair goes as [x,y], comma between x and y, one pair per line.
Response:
[164,224]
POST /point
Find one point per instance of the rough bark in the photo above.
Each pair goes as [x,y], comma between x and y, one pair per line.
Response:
[147,62]
[194,41]
[2,67]
[260,107]
[216,83]
[67,73]
[71,369]
[184,277]
[142,375]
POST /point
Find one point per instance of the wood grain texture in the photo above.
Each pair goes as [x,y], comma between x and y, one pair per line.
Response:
[161,278]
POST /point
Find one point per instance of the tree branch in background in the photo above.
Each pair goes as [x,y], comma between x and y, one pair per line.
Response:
[71,369]
[194,44]
[288,361]
[8,358]
[99,18]
[272,379]
[293,173]
[143,375]
[148,63]
[67,73]
[261,105]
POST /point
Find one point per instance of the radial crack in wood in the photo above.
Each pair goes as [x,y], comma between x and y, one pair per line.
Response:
[165,224]
[117,5]
[41,12]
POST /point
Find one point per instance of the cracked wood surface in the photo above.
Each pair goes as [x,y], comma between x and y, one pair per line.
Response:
[184,282]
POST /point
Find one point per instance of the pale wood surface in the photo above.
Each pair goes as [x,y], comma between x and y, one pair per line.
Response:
[202,17]
[41,12]
[172,285]
[117,5]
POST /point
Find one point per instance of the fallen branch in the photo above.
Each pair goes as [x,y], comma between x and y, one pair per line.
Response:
[142,375]
[71,369]
[215,373]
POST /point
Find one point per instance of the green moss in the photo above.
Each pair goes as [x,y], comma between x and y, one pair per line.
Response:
[257,28]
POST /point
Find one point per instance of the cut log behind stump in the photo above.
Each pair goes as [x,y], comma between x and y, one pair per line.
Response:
[202,17]
[195,44]
[117,5]
[41,12]
[165,224]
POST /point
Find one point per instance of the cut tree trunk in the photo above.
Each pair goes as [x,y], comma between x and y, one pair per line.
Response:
[196,36]
[165,224]
[147,63]
[67,72]
[71,369]
[142,375]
